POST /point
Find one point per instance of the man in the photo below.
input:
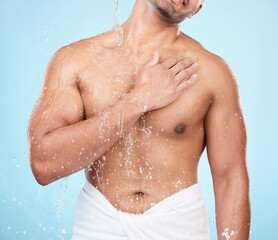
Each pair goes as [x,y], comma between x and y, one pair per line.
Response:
[135,107]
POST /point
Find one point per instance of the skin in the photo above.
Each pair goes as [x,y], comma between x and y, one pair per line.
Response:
[138,122]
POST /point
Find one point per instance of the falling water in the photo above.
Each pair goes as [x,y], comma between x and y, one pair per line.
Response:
[117,27]
[116,5]
[60,204]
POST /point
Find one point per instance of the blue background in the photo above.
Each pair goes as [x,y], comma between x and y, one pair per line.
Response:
[244,33]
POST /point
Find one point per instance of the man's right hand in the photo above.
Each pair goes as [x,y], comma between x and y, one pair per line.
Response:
[158,84]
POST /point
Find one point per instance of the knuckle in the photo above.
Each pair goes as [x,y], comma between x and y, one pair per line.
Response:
[188,62]
[191,59]
[163,68]
[186,72]
[191,70]
[169,74]
[181,86]
[186,84]
[183,64]
[171,60]
[160,67]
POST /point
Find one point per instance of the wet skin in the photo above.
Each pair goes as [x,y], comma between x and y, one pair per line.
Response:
[87,103]
[159,154]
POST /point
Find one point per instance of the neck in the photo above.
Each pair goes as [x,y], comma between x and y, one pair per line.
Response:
[145,29]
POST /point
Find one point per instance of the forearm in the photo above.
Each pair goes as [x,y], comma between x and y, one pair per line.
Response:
[69,149]
[232,208]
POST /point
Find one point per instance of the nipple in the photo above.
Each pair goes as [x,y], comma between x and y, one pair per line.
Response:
[180,128]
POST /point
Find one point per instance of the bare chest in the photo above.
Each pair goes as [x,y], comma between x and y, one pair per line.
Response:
[103,83]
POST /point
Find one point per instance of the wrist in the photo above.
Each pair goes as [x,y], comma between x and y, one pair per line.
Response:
[139,101]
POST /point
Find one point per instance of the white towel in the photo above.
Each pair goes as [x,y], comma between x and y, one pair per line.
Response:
[181,216]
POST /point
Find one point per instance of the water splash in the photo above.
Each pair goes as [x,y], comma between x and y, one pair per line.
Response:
[226,233]
[39,193]
[60,204]
[117,17]
[117,27]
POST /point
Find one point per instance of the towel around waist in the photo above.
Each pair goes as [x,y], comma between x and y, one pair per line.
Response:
[180,216]
[182,198]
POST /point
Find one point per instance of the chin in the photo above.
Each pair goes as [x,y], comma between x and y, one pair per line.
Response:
[168,11]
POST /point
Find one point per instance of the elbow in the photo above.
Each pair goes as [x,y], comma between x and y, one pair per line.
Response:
[38,173]
[39,178]
[238,178]
[38,163]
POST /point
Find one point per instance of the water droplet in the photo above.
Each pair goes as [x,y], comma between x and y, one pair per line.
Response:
[62,230]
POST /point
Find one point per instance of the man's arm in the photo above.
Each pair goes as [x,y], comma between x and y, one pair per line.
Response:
[60,141]
[226,139]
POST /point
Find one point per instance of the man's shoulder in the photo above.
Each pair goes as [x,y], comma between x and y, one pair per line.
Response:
[211,60]
[217,73]
[214,70]
[81,50]
[76,49]
[105,39]
[214,65]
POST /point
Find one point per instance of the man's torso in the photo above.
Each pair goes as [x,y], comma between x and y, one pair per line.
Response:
[159,154]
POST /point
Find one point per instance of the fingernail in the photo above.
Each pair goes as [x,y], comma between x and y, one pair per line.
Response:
[194,76]
[194,58]
[196,65]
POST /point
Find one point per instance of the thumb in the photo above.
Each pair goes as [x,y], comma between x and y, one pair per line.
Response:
[153,60]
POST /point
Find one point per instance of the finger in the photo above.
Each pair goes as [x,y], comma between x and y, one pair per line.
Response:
[170,62]
[187,83]
[186,73]
[181,65]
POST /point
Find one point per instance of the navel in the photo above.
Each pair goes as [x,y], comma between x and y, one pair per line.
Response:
[140,194]
[180,128]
